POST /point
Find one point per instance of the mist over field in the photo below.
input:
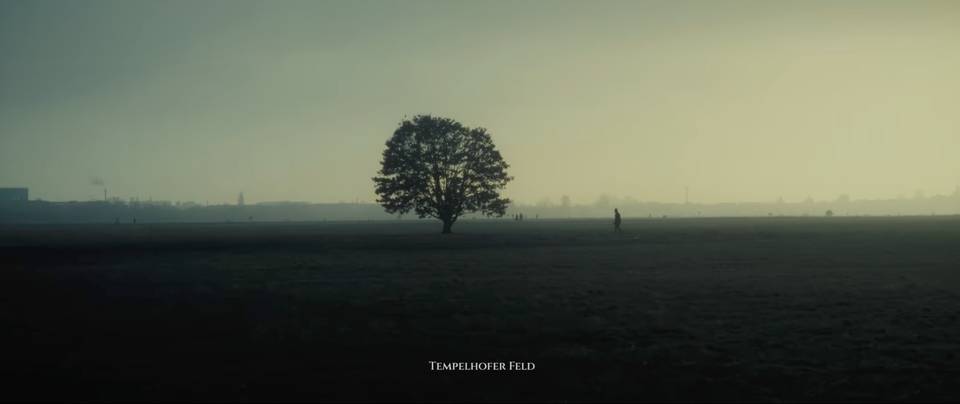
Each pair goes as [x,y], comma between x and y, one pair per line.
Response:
[445,201]
[175,212]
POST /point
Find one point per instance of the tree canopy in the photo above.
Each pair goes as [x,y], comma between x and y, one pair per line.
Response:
[438,168]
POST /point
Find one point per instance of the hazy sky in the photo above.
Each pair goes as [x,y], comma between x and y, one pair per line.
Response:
[199,100]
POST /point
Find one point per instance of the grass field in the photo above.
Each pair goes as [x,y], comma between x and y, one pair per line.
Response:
[679,309]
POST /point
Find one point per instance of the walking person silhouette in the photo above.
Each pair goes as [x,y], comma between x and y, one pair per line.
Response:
[616,220]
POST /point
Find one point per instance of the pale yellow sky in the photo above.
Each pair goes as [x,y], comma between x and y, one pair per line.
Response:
[740,101]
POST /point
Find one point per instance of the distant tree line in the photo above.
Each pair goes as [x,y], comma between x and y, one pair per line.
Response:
[160,211]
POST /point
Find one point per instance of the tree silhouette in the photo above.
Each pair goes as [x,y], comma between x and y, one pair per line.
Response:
[439,168]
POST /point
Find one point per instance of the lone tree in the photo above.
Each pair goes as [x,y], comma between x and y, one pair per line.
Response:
[439,168]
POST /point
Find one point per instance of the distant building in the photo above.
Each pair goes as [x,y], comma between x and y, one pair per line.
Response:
[14,194]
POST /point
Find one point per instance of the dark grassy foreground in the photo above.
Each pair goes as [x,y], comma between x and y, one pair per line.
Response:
[706,309]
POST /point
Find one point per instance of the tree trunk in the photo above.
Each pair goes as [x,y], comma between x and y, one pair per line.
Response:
[447,224]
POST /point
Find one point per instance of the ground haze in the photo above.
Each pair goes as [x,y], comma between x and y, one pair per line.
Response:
[675,309]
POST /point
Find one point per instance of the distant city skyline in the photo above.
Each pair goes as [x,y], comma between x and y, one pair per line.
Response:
[602,199]
[13,209]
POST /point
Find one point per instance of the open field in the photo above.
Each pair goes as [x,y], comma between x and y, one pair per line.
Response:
[678,309]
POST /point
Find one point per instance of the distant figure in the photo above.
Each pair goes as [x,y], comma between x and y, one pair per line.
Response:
[521,217]
[616,220]
[116,221]
[134,220]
